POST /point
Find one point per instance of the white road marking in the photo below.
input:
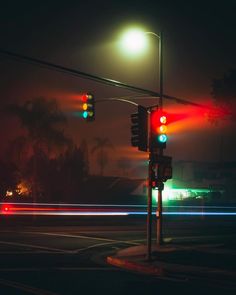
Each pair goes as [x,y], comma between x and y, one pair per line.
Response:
[70,236]
[130,242]
[75,251]
[95,246]
[15,252]
[57,269]
[25,288]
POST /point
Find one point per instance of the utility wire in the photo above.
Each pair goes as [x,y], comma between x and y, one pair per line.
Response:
[77,73]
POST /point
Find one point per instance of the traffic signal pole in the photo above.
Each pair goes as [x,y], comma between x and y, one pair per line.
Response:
[149,209]
[159,219]
[160,180]
[159,210]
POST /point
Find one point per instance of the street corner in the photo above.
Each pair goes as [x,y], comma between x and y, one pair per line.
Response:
[135,265]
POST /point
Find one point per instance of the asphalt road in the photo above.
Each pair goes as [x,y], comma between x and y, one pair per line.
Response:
[47,256]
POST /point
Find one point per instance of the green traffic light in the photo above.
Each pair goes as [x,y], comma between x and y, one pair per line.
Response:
[162,138]
[85,114]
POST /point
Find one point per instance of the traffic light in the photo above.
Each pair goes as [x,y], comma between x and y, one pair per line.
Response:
[88,107]
[139,129]
[159,121]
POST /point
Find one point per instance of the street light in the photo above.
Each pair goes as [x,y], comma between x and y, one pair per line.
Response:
[135,40]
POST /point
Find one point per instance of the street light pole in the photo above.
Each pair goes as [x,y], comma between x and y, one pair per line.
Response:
[149,210]
[160,182]
[161,70]
[160,38]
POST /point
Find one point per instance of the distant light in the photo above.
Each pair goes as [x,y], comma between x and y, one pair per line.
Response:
[9,193]
[5,209]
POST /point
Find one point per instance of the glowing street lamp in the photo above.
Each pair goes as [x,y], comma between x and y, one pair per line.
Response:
[134,41]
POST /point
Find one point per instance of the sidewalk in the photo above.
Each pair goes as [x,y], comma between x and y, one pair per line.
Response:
[209,261]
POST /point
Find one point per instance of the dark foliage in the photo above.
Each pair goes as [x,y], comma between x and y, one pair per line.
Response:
[45,159]
[224,93]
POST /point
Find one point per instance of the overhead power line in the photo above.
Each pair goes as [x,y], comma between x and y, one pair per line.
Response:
[77,73]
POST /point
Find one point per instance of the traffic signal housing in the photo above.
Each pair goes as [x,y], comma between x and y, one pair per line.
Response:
[139,129]
[88,107]
[159,121]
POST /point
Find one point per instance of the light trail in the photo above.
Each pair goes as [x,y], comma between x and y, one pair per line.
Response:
[190,213]
[115,205]
[68,213]
[197,206]
[201,213]
[107,210]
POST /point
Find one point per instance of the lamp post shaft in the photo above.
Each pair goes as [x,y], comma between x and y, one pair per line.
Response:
[149,211]
[161,70]
[160,184]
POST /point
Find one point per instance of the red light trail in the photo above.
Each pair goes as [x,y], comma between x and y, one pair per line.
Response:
[108,210]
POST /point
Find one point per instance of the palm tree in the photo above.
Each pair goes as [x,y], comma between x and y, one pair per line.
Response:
[44,123]
[17,151]
[101,144]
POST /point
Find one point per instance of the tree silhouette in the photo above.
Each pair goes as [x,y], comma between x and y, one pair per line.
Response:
[224,95]
[84,149]
[100,147]
[17,151]
[8,177]
[43,122]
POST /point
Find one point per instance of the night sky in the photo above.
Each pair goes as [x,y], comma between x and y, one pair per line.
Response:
[199,44]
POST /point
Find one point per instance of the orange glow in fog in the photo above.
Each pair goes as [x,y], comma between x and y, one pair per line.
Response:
[190,118]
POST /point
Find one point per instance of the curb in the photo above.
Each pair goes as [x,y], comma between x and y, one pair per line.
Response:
[216,276]
[134,266]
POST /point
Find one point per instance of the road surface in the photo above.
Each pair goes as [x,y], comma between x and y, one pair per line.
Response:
[50,256]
